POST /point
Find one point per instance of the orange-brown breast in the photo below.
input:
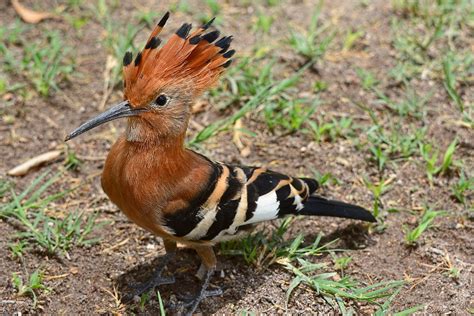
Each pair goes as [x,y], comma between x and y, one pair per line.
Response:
[147,181]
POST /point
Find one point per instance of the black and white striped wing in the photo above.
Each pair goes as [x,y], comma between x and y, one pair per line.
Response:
[272,195]
[236,198]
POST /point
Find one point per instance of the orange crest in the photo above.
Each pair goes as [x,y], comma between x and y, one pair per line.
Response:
[190,61]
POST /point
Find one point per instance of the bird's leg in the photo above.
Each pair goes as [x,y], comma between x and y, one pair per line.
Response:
[208,266]
[157,279]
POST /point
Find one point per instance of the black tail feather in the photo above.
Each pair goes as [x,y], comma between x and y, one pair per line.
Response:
[319,206]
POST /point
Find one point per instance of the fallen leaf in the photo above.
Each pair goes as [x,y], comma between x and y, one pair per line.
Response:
[23,168]
[30,16]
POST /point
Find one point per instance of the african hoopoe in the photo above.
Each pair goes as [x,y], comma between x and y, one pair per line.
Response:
[175,192]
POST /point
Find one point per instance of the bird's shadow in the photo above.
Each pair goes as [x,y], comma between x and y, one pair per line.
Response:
[352,237]
[232,276]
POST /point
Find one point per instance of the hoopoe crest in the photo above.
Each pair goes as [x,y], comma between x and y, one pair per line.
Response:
[166,80]
[188,63]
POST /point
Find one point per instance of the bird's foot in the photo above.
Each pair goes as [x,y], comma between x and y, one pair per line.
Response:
[194,302]
[187,300]
[189,303]
[156,280]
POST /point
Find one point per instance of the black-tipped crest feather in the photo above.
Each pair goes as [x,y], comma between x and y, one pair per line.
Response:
[211,36]
[224,49]
[127,59]
[194,40]
[138,58]
[206,25]
[153,43]
[223,41]
[229,53]
[183,31]
[164,19]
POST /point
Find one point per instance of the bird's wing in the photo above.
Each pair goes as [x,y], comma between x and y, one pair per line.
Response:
[236,197]
[271,194]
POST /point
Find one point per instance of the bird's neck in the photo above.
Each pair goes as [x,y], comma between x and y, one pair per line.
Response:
[159,147]
[143,133]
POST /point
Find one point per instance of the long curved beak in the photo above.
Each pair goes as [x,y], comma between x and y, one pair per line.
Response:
[123,109]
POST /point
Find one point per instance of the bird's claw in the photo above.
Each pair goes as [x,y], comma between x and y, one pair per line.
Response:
[156,280]
[189,303]
[186,300]
[141,288]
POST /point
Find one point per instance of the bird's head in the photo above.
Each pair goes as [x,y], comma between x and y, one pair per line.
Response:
[162,82]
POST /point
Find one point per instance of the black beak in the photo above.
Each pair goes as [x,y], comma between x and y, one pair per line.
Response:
[123,109]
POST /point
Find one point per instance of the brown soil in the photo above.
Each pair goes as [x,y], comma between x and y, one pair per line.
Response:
[91,280]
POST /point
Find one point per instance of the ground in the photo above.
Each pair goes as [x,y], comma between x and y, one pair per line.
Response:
[380,111]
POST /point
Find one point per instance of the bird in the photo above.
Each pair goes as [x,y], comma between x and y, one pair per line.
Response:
[179,194]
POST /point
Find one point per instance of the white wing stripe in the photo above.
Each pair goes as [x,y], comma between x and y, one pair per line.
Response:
[298,202]
[267,208]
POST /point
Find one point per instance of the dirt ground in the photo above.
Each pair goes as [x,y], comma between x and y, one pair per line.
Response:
[91,280]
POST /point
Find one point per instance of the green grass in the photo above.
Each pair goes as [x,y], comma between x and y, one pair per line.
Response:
[18,249]
[160,301]
[145,300]
[148,17]
[351,38]
[450,82]
[213,6]
[264,23]
[367,78]
[263,249]
[181,6]
[341,263]
[412,236]
[53,235]
[314,41]
[323,130]
[255,89]
[30,285]
[44,62]
[289,114]
[118,37]
[336,291]
[377,189]
[389,141]
[463,187]
[410,103]
[72,162]
[326,179]
[426,32]
[431,157]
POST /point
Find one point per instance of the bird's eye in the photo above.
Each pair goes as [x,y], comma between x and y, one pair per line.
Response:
[161,100]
